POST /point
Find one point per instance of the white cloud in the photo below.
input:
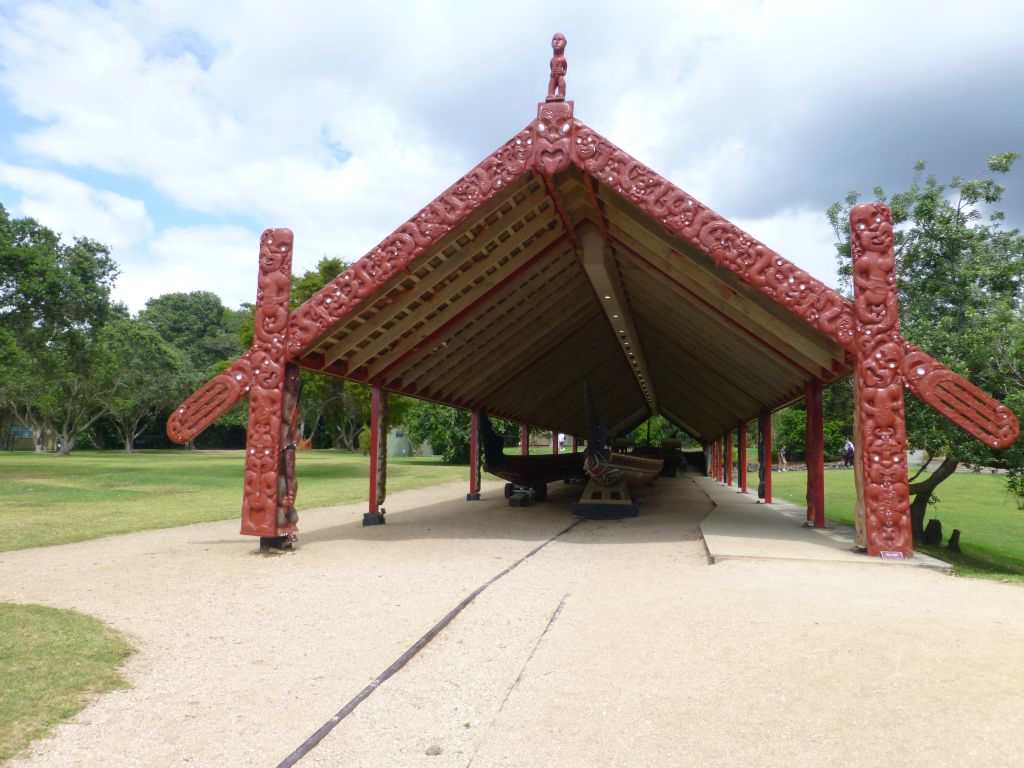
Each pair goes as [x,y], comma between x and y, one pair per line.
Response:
[220,259]
[243,113]
[74,209]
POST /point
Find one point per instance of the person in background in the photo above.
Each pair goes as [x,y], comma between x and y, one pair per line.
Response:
[782,458]
[848,453]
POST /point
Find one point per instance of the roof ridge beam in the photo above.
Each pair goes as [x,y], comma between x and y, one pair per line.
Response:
[599,267]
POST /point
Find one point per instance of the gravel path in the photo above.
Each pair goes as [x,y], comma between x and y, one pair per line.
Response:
[616,644]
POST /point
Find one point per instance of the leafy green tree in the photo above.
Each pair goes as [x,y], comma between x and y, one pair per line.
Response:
[444,427]
[145,372]
[960,275]
[54,301]
[198,325]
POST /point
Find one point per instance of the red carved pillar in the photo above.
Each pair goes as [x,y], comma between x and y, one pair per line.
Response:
[378,456]
[524,439]
[263,445]
[741,458]
[728,458]
[474,457]
[814,447]
[879,383]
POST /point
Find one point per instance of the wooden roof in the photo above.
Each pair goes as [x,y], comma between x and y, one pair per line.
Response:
[551,273]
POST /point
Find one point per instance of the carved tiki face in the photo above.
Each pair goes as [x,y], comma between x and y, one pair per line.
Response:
[553,142]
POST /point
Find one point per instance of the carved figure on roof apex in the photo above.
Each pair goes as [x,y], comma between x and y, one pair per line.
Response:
[559,66]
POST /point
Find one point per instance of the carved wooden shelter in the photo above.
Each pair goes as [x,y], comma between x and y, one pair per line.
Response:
[558,259]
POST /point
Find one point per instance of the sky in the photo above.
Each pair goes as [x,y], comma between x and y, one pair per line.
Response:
[176,131]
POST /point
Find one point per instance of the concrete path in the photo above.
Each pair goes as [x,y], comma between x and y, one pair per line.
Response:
[615,644]
[740,527]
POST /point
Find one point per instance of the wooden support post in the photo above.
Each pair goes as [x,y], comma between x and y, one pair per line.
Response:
[728,458]
[474,457]
[764,455]
[378,456]
[554,441]
[814,448]
[267,398]
[575,444]
[882,427]
[524,439]
[741,458]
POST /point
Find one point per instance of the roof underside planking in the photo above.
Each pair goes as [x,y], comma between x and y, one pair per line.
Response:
[551,284]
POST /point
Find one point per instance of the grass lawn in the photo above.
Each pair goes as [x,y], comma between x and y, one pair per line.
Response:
[991,526]
[51,660]
[51,499]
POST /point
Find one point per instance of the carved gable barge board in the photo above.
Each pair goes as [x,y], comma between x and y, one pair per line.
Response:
[438,267]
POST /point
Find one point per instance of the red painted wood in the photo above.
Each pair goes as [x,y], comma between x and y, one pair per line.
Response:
[474,452]
[375,425]
[879,383]
[728,458]
[767,458]
[266,389]
[742,457]
[524,439]
[815,454]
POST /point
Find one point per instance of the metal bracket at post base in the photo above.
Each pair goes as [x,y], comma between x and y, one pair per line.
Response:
[373,518]
[472,497]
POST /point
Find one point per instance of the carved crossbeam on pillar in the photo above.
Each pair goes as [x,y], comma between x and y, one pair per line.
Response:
[879,383]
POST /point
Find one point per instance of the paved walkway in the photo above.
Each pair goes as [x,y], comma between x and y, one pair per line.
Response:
[615,644]
[740,527]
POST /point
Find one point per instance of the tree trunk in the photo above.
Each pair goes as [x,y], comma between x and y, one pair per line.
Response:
[923,492]
[67,445]
[129,443]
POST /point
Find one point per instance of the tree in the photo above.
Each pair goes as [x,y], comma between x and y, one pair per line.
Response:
[145,370]
[198,325]
[54,301]
[961,290]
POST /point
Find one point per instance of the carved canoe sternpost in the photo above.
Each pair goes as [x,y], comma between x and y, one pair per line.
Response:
[880,383]
[267,392]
